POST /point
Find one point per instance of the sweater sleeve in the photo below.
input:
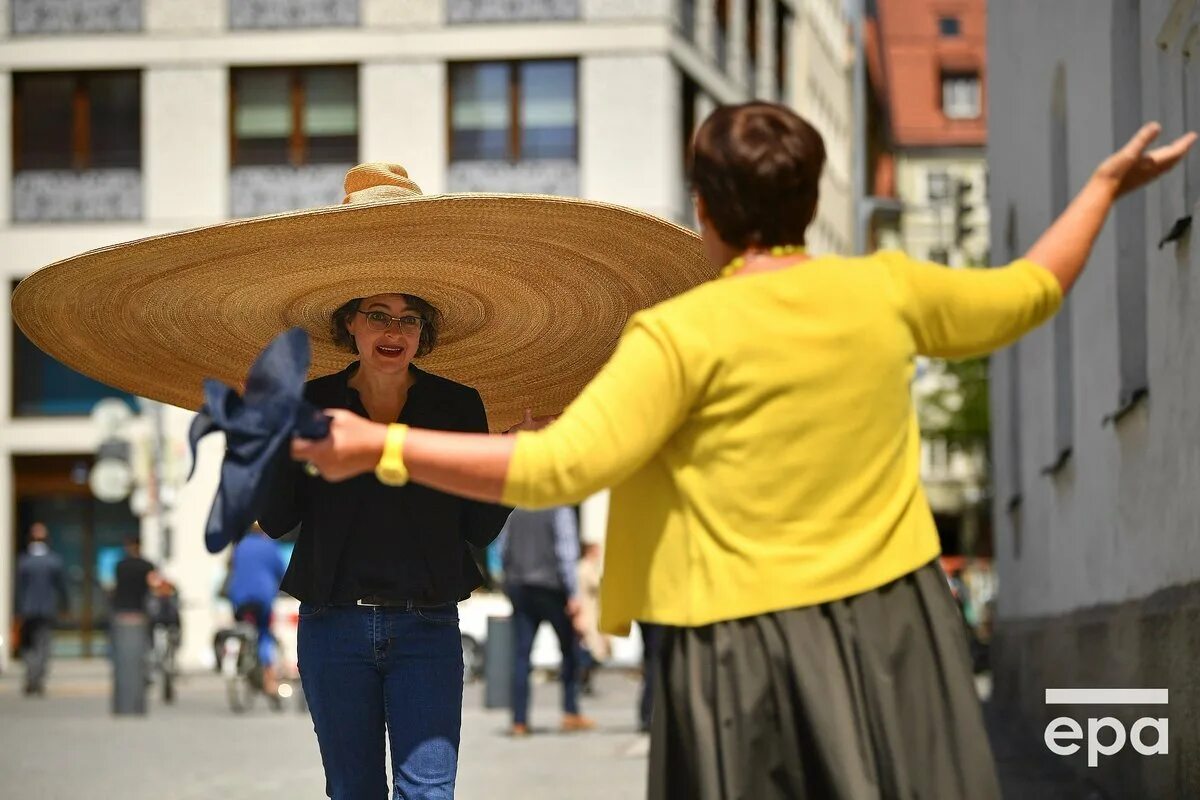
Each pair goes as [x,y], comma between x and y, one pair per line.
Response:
[617,423]
[963,312]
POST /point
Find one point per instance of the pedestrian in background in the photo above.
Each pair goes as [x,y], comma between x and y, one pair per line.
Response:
[540,553]
[255,572]
[135,578]
[596,646]
[41,594]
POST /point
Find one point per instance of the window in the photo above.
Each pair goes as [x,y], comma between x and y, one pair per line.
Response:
[937,185]
[960,95]
[949,26]
[295,115]
[939,255]
[513,111]
[66,120]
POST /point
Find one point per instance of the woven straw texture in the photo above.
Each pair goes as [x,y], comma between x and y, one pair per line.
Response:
[534,290]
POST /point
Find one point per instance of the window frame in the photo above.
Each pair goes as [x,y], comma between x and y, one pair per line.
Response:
[951,110]
[515,130]
[298,145]
[82,152]
[951,18]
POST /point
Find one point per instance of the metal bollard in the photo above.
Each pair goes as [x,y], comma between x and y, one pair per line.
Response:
[498,663]
[130,633]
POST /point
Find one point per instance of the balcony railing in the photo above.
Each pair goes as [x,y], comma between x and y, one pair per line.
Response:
[257,14]
[459,12]
[272,189]
[548,176]
[93,195]
[35,17]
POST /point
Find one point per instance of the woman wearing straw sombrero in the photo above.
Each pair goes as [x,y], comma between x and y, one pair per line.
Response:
[500,298]
[759,436]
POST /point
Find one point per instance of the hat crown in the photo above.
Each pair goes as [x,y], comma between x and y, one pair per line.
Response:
[378,180]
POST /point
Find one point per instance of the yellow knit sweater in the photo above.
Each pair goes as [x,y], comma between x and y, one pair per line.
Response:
[759,436]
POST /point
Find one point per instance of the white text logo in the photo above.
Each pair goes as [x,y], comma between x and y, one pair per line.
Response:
[1148,735]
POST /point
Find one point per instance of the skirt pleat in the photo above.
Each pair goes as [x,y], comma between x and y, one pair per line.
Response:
[868,697]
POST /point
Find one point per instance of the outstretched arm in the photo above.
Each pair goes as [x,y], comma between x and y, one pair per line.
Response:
[1064,247]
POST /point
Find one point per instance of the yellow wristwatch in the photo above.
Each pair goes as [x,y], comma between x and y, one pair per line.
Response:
[391,470]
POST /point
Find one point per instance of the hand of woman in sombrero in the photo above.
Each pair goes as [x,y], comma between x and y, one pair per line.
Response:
[1133,166]
[353,446]
[532,423]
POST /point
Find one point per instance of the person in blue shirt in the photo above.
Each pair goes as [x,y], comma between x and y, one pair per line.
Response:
[255,575]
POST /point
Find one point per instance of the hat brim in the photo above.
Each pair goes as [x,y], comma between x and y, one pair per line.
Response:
[534,292]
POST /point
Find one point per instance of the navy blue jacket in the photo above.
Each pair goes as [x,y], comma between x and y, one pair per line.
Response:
[41,585]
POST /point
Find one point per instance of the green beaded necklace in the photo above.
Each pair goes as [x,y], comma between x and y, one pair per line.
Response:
[778,250]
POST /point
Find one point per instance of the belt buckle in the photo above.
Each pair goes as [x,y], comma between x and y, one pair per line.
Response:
[362,601]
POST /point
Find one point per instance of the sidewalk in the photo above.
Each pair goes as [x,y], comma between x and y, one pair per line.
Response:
[68,745]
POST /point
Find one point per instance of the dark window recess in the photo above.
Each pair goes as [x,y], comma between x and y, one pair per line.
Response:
[294,115]
[1013,376]
[510,111]
[1129,217]
[783,26]
[1064,354]
[88,120]
[687,122]
[949,26]
[752,44]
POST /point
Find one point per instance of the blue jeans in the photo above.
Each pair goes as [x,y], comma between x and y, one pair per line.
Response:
[367,670]
[533,605]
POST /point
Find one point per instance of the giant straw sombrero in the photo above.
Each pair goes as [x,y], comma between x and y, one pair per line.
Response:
[534,290]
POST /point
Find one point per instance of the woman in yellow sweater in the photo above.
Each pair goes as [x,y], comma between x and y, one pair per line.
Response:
[759,437]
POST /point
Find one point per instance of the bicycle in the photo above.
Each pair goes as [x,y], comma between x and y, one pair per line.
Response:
[238,661]
[241,667]
[165,638]
[164,650]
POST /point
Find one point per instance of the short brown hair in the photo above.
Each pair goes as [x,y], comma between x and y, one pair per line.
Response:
[757,167]
[426,310]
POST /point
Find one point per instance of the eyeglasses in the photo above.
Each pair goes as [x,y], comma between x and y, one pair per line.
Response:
[379,321]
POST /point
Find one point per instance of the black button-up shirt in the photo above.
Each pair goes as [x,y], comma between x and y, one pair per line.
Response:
[360,537]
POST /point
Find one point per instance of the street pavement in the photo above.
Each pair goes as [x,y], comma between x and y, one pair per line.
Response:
[68,745]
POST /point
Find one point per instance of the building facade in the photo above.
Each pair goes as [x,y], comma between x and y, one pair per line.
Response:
[927,62]
[130,118]
[931,70]
[1096,428]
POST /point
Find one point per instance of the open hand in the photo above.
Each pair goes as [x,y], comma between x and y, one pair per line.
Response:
[1133,166]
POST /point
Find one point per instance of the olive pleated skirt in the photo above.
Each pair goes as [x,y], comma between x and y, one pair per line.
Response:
[867,697]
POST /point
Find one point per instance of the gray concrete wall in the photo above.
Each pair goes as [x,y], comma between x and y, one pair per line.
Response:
[1099,560]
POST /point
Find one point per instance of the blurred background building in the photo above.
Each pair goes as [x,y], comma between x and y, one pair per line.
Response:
[131,118]
[927,176]
[1096,425]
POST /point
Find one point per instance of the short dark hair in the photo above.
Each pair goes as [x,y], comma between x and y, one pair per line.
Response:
[429,331]
[757,167]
